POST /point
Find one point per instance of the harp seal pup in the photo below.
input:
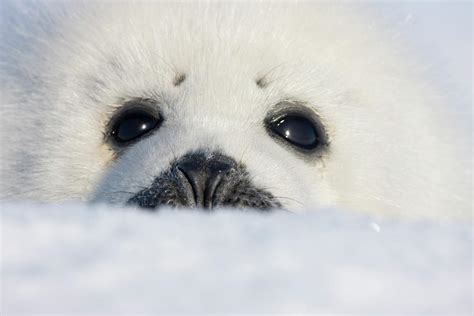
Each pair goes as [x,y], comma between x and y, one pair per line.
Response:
[298,106]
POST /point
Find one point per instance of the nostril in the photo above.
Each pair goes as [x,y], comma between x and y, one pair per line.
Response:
[204,176]
[193,181]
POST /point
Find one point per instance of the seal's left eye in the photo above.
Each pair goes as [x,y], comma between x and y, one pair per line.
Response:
[133,124]
[298,131]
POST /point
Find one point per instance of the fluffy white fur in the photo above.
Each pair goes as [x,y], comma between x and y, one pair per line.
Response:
[66,68]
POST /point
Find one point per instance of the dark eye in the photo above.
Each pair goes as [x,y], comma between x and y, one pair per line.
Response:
[297,130]
[133,124]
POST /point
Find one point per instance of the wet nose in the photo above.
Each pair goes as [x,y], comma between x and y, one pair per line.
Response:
[204,174]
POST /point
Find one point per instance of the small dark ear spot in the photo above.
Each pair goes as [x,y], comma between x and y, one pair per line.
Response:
[261,82]
[179,78]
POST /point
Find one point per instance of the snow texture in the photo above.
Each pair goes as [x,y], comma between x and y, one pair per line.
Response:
[86,259]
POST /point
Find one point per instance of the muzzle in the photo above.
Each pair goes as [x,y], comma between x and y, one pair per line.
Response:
[205,180]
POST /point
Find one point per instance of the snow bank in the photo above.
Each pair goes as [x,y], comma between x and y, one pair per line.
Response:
[82,259]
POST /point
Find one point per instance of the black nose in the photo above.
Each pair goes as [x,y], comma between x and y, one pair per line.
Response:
[204,174]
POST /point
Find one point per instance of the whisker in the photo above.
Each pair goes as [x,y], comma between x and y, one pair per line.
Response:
[288,198]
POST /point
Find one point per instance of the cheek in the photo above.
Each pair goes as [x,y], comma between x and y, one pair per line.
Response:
[133,170]
[107,155]
[296,183]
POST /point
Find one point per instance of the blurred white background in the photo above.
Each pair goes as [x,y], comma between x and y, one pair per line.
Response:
[439,35]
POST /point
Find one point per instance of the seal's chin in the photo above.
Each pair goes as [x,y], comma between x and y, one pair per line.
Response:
[205,180]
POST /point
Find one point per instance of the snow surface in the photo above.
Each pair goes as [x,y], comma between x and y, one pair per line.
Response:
[86,259]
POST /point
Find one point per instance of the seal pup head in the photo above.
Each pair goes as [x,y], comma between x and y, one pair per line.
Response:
[206,104]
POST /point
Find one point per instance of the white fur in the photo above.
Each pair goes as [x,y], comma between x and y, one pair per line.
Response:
[70,66]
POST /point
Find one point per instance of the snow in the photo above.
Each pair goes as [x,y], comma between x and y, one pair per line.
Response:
[93,259]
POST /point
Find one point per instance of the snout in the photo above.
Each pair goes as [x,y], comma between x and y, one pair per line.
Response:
[204,177]
[205,180]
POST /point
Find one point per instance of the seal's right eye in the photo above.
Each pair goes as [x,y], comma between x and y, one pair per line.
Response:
[133,124]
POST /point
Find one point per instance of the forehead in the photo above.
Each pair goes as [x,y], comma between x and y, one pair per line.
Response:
[174,32]
[202,39]
[220,50]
